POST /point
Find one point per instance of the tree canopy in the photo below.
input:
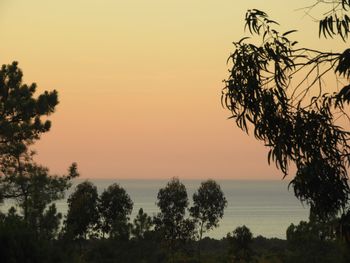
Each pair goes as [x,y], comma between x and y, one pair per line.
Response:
[114,207]
[277,89]
[170,222]
[23,119]
[82,216]
[21,114]
[142,224]
[208,207]
[240,244]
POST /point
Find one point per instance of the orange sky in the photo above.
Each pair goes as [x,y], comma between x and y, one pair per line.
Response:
[140,83]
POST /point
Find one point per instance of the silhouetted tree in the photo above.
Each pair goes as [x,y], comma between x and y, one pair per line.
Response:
[208,207]
[18,241]
[314,242]
[82,217]
[50,223]
[142,224]
[22,121]
[23,118]
[172,201]
[34,190]
[240,244]
[269,90]
[115,206]
[21,114]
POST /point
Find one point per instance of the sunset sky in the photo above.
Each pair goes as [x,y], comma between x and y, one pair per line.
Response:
[140,82]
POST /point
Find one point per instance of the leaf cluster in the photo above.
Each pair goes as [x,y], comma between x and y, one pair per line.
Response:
[114,206]
[82,216]
[259,94]
[208,207]
[336,21]
[172,201]
[21,114]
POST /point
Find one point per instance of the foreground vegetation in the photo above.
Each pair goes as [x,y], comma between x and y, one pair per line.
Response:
[19,242]
[97,228]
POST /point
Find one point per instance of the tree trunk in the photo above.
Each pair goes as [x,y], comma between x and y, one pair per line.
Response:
[199,241]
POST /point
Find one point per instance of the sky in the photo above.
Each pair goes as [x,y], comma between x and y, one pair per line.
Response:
[140,82]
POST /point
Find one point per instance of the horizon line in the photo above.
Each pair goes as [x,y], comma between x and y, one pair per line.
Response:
[185,179]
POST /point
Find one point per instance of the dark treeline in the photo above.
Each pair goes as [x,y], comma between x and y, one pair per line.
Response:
[97,228]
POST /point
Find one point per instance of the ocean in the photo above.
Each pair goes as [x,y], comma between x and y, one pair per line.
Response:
[267,208]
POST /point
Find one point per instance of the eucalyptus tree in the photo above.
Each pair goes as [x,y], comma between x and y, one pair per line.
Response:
[170,222]
[277,88]
[82,217]
[115,207]
[208,207]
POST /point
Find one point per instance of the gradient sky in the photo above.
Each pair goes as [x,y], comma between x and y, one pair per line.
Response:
[140,82]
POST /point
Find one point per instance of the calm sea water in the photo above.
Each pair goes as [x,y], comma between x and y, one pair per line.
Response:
[266,207]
